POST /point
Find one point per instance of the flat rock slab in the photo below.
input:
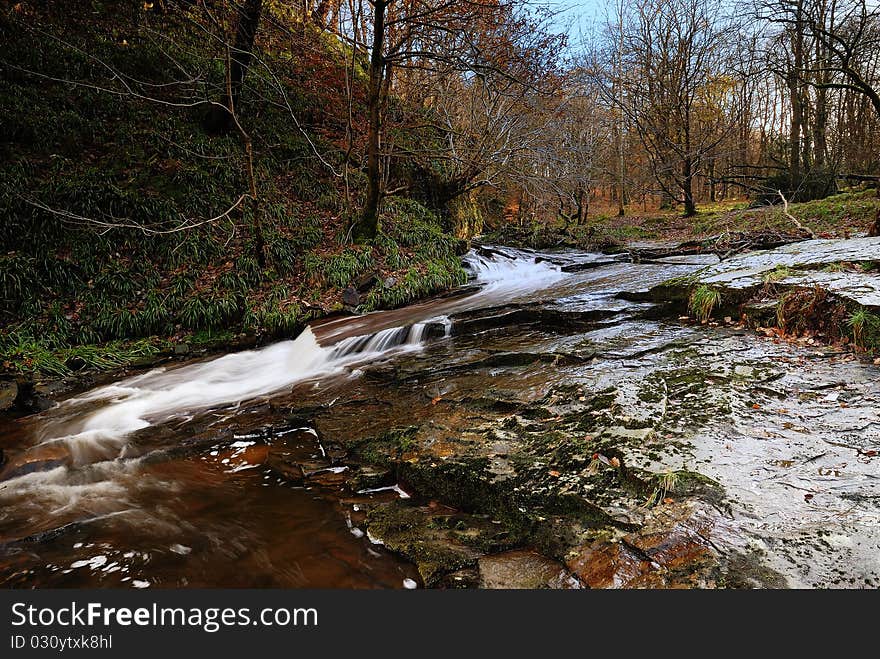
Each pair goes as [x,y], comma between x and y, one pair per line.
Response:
[861,287]
[690,259]
[746,270]
[523,569]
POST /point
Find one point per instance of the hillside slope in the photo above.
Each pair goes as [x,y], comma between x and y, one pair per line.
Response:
[126,216]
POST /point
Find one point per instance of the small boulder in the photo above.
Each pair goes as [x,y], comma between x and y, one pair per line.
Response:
[365,282]
[351,297]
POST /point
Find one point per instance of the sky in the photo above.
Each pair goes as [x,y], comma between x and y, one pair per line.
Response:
[577,16]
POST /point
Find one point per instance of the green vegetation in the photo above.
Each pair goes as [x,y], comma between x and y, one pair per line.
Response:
[840,215]
[75,293]
[703,301]
[28,356]
[665,485]
[865,328]
[778,273]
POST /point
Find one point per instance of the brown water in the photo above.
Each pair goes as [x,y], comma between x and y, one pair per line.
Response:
[228,472]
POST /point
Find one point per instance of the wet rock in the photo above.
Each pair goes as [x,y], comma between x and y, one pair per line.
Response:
[351,297]
[690,259]
[329,477]
[547,318]
[146,361]
[434,331]
[389,282]
[607,565]
[287,469]
[747,271]
[586,265]
[53,388]
[35,398]
[365,282]
[674,549]
[862,288]
[368,478]
[75,363]
[40,458]
[244,342]
[438,543]
[761,313]
[523,569]
[8,394]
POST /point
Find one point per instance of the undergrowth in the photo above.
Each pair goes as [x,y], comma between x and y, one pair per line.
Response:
[75,295]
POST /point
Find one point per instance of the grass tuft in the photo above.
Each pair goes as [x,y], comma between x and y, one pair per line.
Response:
[703,301]
[865,328]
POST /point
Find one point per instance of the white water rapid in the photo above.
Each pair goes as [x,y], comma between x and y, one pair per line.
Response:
[94,426]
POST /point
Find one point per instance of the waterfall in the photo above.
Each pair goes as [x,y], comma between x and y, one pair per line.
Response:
[95,426]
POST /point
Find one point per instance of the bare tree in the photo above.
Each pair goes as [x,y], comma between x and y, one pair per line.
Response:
[670,85]
[472,40]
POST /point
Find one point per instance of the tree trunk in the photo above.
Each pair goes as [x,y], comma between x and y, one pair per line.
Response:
[368,225]
[580,215]
[242,52]
[797,111]
[687,187]
[712,193]
[621,171]
[820,121]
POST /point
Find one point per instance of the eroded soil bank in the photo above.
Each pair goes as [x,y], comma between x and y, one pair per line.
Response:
[544,432]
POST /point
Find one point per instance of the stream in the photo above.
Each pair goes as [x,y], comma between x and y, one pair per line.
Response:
[543,416]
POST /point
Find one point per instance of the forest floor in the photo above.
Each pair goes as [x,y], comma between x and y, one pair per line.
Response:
[846,214]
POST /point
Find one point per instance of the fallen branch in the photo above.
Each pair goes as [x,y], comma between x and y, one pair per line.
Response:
[793,218]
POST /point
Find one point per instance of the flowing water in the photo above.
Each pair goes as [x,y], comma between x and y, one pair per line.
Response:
[231,471]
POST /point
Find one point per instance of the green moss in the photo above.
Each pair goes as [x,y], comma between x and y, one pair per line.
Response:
[778,273]
[416,535]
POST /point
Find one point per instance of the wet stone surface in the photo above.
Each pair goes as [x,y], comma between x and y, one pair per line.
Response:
[803,265]
[558,437]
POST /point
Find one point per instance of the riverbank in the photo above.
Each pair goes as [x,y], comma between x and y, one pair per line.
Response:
[556,430]
[820,292]
[716,227]
[135,231]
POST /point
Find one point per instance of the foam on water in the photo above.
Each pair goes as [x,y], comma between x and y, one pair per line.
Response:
[506,272]
[94,427]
